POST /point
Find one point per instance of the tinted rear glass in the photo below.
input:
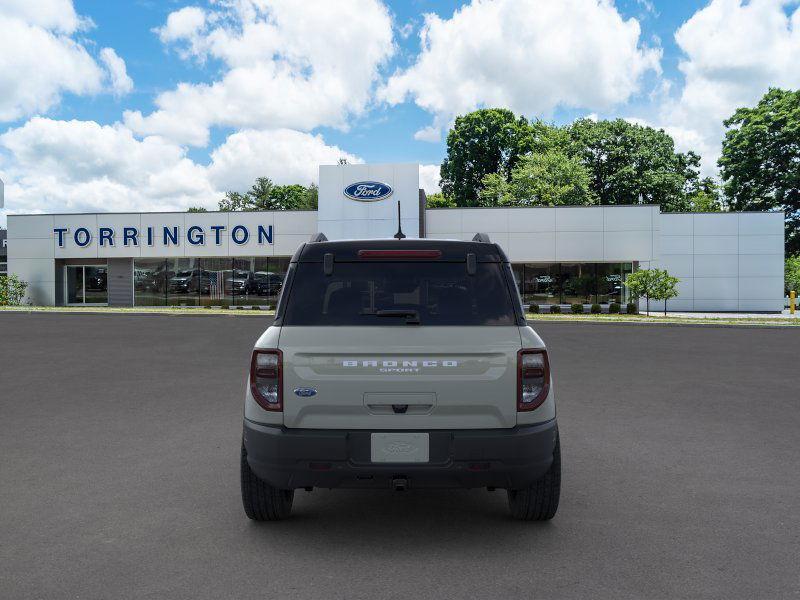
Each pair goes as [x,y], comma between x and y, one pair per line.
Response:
[438,293]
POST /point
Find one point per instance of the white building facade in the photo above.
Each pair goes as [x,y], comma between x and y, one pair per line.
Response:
[562,255]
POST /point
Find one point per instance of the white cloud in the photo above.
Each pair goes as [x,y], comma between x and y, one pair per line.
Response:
[429,178]
[74,166]
[528,55]
[432,133]
[121,83]
[183,24]
[286,65]
[40,58]
[84,166]
[734,51]
[283,155]
[58,15]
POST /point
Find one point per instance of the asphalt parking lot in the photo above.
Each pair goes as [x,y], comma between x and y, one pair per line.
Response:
[119,449]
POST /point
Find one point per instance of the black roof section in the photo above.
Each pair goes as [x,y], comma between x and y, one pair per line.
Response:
[347,250]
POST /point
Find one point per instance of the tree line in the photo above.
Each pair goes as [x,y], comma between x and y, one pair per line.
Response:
[496,158]
[265,195]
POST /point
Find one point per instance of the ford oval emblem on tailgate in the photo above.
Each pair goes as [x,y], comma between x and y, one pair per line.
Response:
[305,392]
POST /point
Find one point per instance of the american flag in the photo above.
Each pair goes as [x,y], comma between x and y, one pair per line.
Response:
[217,285]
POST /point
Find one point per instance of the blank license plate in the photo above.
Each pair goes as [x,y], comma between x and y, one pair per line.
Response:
[400,447]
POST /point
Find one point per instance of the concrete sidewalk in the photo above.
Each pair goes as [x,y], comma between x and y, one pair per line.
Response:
[706,315]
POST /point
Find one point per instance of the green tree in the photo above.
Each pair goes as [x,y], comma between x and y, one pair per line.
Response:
[197,209]
[643,284]
[486,141]
[234,201]
[439,200]
[12,290]
[760,162]
[627,161]
[495,190]
[706,197]
[791,277]
[666,288]
[288,197]
[312,197]
[548,179]
[265,195]
[259,197]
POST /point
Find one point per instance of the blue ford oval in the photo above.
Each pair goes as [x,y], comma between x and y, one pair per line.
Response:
[305,392]
[368,191]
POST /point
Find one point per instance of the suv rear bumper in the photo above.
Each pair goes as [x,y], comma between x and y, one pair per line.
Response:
[463,458]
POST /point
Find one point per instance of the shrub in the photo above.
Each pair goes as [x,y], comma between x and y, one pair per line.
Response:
[596,310]
[577,309]
[632,309]
[534,308]
[555,309]
[614,308]
[12,290]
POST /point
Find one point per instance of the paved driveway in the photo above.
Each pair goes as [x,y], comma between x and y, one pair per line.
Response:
[119,442]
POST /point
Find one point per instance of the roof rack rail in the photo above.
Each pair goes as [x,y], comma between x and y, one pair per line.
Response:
[319,237]
[482,237]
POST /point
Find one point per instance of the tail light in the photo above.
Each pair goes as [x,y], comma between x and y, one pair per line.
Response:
[266,379]
[533,378]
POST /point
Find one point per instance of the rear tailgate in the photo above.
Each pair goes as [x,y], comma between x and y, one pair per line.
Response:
[400,377]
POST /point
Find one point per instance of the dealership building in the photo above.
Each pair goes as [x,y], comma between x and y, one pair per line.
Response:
[560,255]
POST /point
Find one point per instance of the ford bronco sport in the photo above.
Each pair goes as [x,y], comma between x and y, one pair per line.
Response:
[400,364]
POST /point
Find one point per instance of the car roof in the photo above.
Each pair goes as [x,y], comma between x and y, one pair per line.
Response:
[452,250]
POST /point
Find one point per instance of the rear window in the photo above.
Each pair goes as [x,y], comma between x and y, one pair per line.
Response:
[398,293]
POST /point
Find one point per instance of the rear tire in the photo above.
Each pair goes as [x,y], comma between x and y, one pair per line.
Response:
[539,501]
[261,501]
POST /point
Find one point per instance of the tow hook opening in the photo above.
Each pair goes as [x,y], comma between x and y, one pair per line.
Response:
[399,484]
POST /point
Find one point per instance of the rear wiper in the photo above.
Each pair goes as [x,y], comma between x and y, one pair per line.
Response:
[412,316]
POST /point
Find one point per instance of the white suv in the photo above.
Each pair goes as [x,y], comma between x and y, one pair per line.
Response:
[400,364]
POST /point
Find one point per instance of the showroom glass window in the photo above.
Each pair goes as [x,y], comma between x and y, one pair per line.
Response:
[609,283]
[149,282]
[578,283]
[218,282]
[541,283]
[184,281]
[572,283]
[245,281]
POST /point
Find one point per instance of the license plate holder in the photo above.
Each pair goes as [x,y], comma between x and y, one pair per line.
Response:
[400,447]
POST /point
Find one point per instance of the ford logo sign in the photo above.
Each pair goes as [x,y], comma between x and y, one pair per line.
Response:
[368,191]
[305,392]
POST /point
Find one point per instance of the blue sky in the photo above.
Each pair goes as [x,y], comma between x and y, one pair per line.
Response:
[148,105]
[127,26]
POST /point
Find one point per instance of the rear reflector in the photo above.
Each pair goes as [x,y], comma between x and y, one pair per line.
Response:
[413,254]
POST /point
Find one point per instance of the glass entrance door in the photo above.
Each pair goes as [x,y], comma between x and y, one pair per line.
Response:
[87,284]
[74,285]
